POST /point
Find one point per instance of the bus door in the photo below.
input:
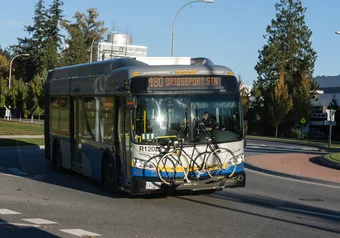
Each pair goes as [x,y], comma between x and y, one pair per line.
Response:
[75,135]
[124,140]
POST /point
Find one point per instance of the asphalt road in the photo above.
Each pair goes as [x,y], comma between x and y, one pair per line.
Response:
[36,201]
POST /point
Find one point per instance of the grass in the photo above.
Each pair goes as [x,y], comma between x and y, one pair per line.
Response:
[335,157]
[21,142]
[334,145]
[19,128]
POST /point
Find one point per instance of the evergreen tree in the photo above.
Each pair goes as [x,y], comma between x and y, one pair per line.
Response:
[33,45]
[51,54]
[54,19]
[54,37]
[334,104]
[90,26]
[76,52]
[288,49]
[85,29]
[281,102]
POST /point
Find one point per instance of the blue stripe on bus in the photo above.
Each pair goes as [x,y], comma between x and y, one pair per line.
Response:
[137,172]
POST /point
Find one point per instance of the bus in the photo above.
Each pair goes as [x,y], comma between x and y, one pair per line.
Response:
[107,120]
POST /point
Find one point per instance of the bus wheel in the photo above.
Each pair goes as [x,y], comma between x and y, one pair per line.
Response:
[108,174]
[57,163]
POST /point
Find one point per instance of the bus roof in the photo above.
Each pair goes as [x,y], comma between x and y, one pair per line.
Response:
[144,64]
[111,76]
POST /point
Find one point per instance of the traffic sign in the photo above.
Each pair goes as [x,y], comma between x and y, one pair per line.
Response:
[303,120]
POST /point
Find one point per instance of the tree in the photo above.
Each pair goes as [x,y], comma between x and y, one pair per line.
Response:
[36,95]
[3,92]
[4,66]
[54,19]
[33,45]
[245,96]
[302,98]
[334,104]
[21,96]
[76,52]
[83,31]
[54,37]
[289,50]
[281,102]
[51,55]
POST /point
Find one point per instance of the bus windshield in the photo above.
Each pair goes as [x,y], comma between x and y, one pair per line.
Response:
[193,118]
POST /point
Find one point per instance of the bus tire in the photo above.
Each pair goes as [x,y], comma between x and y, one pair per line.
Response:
[108,174]
[57,160]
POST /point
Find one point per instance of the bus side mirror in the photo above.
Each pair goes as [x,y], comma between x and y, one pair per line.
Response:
[131,103]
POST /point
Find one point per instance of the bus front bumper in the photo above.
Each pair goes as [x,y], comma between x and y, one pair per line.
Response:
[142,185]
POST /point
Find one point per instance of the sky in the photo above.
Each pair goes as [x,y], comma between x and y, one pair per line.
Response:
[229,32]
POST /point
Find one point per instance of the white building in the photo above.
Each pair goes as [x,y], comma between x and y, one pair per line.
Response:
[329,86]
[119,45]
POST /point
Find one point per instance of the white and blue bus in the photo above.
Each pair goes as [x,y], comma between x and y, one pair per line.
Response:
[107,120]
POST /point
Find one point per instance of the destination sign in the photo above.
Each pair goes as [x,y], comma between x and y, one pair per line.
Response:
[168,83]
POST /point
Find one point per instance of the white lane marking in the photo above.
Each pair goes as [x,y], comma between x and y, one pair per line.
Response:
[18,224]
[79,232]
[253,146]
[227,198]
[8,212]
[17,171]
[308,212]
[39,221]
[294,180]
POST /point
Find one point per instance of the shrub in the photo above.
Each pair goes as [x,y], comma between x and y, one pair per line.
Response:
[294,133]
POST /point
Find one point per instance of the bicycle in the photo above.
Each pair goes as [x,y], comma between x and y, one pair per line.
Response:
[173,167]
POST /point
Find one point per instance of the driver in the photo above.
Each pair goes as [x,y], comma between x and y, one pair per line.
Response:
[206,120]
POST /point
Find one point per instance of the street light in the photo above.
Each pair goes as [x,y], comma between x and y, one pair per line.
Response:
[10,69]
[92,44]
[337,32]
[174,23]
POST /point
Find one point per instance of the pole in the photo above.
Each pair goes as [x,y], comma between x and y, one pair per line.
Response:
[10,69]
[174,26]
[330,130]
[92,46]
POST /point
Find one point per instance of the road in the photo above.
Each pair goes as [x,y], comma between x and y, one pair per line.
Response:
[36,201]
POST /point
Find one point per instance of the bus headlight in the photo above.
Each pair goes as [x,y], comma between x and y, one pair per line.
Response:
[240,159]
[142,164]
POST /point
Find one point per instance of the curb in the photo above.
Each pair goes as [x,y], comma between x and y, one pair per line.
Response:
[29,147]
[267,171]
[328,163]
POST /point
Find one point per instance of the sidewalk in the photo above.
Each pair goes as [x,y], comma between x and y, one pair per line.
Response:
[304,166]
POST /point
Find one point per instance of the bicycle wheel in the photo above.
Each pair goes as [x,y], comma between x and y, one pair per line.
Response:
[198,167]
[172,168]
[220,159]
[151,164]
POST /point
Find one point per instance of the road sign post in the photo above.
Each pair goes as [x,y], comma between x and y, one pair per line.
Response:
[330,119]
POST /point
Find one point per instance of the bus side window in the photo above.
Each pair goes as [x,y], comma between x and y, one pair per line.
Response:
[107,129]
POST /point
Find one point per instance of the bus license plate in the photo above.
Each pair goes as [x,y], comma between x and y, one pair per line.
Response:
[153,185]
